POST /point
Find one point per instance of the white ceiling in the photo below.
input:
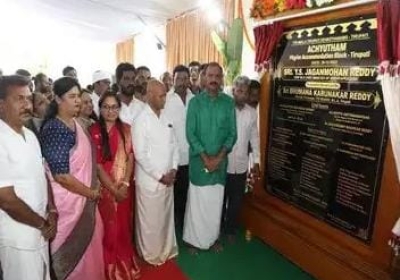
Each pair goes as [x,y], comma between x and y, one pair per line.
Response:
[106,20]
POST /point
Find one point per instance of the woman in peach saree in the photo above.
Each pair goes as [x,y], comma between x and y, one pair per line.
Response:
[113,143]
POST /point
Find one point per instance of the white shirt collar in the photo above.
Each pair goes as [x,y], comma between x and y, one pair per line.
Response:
[4,127]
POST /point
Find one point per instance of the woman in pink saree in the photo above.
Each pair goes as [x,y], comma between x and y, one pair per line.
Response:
[113,143]
[76,251]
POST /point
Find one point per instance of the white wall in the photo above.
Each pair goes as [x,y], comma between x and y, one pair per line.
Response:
[248,53]
[85,56]
[43,45]
[146,51]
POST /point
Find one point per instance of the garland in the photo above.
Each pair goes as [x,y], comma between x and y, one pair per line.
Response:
[262,9]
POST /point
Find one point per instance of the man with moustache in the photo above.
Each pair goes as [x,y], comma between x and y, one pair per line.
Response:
[175,108]
[130,105]
[101,83]
[254,94]
[157,155]
[194,69]
[211,133]
[43,86]
[167,80]
[202,74]
[28,217]
[238,159]
[143,74]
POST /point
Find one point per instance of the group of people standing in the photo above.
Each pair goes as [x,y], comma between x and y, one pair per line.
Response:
[115,182]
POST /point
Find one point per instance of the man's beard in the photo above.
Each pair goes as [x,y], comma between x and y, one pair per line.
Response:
[181,89]
[139,89]
[129,90]
[44,90]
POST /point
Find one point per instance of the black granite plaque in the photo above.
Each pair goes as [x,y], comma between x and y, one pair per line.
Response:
[328,127]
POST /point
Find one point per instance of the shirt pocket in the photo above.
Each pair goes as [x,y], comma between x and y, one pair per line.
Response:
[222,120]
[170,134]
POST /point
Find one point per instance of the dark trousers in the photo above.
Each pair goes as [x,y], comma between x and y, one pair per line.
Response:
[180,194]
[234,192]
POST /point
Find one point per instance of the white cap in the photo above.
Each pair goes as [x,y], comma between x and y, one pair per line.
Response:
[100,75]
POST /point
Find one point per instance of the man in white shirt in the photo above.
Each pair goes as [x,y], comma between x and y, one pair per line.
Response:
[27,218]
[157,156]
[254,94]
[238,158]
[143,74]
[101,83]
[175,108]
[168,80]
[131,107]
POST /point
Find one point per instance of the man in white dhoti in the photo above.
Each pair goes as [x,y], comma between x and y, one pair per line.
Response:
[27,219]
[175,107]
[211,133]
[238,159]
[157,157]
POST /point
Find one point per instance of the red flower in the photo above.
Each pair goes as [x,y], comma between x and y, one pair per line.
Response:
[295,4]
[262,9]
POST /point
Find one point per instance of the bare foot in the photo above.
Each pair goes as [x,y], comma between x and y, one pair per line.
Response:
[217,247]
[193,251]
[231,238]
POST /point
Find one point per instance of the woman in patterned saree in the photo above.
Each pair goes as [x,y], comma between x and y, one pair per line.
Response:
[76,251]
[115,161]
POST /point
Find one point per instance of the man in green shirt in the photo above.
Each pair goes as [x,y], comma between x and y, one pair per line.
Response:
[211,133]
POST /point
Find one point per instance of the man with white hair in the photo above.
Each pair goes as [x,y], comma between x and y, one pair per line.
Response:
[101,83]
[238,158]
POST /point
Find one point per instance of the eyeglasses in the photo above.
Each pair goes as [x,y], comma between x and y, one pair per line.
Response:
[110,108]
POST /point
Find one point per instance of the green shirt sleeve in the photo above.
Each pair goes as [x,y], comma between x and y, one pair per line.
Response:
[232,132]
[191,129]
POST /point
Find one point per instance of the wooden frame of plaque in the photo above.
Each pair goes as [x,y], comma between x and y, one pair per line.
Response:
[321,249]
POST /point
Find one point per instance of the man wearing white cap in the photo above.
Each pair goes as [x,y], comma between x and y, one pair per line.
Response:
[101,83]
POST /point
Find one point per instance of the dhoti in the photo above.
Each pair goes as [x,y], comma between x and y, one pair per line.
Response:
[155,226]
[203,215]
[25,264]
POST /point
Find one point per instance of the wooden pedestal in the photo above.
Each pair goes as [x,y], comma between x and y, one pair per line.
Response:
[321,250]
